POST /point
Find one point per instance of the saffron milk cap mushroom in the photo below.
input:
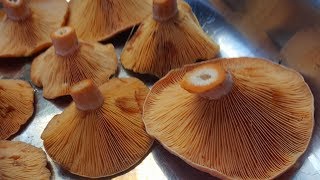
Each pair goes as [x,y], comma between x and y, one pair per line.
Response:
[25,25]
[105,18]
[241,118]
[19,160]
[168,39]
[306,58]
[16,106]
[69,61]
[101,133]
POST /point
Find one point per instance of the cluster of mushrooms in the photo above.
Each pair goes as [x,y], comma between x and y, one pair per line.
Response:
[240,118]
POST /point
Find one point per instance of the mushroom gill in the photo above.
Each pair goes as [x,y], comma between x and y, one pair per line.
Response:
[16,106]
[101,133]
[22,161]
[69,61]
[25,25]
[241,118]
[106,18]
[170,38]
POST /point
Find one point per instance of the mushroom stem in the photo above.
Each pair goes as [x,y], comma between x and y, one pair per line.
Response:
[164,10]
[65,41]
[209,81]
[219,91]
[86,95]
[16,10]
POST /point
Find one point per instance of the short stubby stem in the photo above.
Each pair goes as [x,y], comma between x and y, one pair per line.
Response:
[65,41]
[164,10]
[16,10]
[209,81]
[86,95]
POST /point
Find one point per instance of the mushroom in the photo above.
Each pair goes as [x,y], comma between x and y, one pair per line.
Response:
[102,19]
[69,61]
[279,18]
[302,52]
[16,106]
[19,160]
[101,133]
[169,39]
[241,118]
[25,25]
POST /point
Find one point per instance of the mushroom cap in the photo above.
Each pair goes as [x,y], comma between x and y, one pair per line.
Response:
[105,141]
[29,36]
[106,18]
[302,52]
[257,131]
[16,106]
[273,15]
[57,74]
[19,160]
[157,47]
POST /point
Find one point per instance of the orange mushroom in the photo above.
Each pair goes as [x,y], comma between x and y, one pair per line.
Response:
[25,25]
[302,52]
[101,133]
[102,19]
[16,106]
[241,118]
[279,17]
[69,61]
[169,39]
[22,161]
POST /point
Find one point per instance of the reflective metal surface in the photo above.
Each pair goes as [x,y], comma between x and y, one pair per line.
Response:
[226,22]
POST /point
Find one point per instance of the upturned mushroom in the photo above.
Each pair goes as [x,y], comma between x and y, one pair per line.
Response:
[69,61]
[25,25]
[16,106]
[102,19]
[101,133]
[170,38]
[241,118]
[22,161]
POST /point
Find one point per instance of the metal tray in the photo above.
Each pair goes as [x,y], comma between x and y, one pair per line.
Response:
[235,38]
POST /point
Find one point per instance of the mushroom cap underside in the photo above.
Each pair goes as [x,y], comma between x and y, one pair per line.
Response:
[29,36]
[23,161]
[104,18]
[91,61]
[16,106]
[158,47]
[301,52]
[257,131]
[105,141]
